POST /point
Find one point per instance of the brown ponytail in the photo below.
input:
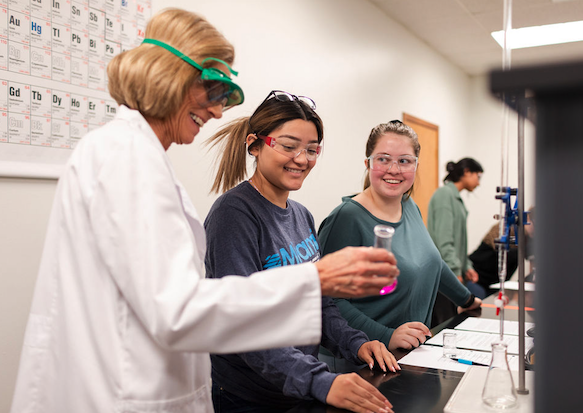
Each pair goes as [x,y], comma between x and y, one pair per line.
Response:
[232,166]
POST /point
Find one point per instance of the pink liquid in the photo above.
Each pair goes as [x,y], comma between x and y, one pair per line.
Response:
[387,289]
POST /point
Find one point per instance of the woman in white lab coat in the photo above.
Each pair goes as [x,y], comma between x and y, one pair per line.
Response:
[122,319]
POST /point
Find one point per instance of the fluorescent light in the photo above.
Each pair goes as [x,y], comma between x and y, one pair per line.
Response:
[541,35]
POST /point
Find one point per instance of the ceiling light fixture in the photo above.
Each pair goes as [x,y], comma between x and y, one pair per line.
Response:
[541,35]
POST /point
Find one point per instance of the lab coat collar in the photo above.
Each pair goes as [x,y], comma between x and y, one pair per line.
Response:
[137,121]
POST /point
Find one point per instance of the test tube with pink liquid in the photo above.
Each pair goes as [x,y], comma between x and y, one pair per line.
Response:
[383,235]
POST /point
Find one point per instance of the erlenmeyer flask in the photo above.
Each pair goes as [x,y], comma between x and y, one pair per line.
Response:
[499,392]
[383,235]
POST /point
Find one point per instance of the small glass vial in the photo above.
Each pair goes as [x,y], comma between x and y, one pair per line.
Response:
[450,344]
[383,235]
[499,392]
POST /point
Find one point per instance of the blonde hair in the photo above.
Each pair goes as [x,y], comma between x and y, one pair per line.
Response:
[398,128]
[152,80]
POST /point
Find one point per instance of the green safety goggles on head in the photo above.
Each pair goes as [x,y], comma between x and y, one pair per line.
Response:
[220,89]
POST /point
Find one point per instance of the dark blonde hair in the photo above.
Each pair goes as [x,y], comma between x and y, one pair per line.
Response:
[152,80]
[269,116]
[398,128]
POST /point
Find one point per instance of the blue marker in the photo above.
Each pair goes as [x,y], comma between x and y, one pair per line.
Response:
[470,362]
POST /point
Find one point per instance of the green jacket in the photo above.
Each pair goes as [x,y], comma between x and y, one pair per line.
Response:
[446,222]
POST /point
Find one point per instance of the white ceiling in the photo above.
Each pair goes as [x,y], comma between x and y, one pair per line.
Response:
[460,29]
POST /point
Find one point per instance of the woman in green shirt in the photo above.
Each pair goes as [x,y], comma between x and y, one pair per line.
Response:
[398,319]
[446,222]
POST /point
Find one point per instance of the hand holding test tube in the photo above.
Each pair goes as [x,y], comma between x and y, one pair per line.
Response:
[383,235]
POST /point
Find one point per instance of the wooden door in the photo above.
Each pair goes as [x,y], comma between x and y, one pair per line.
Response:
[427,178]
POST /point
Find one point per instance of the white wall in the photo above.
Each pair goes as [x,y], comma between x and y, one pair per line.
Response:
[359,66]
[484,143]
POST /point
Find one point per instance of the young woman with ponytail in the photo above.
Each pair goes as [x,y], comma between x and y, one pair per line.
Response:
[255,226]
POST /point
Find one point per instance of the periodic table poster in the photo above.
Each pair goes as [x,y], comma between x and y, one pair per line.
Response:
[53,81]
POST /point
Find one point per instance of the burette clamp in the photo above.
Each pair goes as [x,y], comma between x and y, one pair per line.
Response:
[505,194]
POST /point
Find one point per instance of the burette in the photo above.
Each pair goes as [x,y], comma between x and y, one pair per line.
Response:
[502,247]
[511,217]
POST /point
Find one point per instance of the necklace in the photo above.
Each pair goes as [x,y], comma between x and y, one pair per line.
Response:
[257,189]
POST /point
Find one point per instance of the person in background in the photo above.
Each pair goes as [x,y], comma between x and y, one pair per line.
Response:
[485,257]
[122,318]
[446,222]
[398,319]
[255,226]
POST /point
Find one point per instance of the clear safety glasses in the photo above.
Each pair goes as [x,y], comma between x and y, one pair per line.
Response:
[383,162]
[219,87]
[291,147]
[288,97]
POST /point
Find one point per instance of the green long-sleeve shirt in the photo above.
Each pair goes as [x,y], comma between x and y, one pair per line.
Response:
[446,222]
[422,271]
